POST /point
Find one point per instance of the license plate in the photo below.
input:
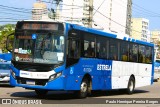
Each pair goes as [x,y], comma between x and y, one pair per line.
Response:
[30,82]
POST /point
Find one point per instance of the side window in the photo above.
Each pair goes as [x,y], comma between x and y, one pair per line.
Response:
[124,51]
[142,54]
[148,55]
[101,47]
[89,45]
[133,52]
[73,48]
[113,50]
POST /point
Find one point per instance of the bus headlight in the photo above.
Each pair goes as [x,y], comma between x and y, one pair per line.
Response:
[54,76]
[13,74]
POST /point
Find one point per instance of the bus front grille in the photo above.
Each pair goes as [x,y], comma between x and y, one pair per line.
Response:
[41,82]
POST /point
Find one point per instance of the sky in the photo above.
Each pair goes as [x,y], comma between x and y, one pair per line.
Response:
[148,9]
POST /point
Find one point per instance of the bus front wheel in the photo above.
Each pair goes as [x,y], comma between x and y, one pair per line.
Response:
[131,85]
[82,93]
[41,93]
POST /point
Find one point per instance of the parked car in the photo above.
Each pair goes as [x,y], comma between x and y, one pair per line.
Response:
[5,71]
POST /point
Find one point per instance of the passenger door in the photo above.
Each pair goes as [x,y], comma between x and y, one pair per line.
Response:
[73,51]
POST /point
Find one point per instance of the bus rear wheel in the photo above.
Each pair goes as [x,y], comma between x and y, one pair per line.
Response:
[82,93]
[131,86]
[41,93]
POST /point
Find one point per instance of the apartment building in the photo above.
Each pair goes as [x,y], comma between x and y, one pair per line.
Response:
[108,15]
[39,11]
[155,36]
[140,29]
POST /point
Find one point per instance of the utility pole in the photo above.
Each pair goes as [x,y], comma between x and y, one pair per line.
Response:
[88,13]
[58,8]
[72,11]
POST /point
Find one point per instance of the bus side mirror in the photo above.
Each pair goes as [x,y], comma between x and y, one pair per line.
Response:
[9,42]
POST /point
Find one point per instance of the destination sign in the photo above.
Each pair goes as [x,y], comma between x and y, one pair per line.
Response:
[40,26]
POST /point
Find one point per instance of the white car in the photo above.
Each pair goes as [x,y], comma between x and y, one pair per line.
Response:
[5,72]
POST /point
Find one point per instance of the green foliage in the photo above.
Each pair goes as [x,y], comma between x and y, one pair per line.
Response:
[5,30]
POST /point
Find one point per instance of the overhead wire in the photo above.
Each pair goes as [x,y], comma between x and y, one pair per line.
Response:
[13,14]
[96,10]
[102,15]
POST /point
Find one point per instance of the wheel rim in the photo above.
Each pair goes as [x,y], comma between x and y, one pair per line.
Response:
[83,87]
[131,86]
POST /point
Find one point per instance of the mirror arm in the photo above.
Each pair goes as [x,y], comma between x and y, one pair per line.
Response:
[7,42]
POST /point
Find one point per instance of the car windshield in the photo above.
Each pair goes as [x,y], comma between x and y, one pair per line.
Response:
[4,66]
[39,48]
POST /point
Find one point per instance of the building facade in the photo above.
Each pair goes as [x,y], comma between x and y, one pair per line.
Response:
[155,36]
[140,29]
[117,15]
[39,11]
[109,15]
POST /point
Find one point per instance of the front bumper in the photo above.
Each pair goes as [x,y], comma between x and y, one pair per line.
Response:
[56,84]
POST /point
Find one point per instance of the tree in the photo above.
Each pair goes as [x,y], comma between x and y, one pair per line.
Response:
[5,31]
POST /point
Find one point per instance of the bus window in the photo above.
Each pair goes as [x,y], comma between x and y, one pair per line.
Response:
[89,45]
[142,54]
[148,55]
[113,50]
[133,52]
[124,49]
[101,47]
[73,49]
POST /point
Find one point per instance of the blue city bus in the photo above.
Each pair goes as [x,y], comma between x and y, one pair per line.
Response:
[50,55]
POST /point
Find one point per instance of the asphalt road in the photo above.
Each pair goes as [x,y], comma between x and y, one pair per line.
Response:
[97,98]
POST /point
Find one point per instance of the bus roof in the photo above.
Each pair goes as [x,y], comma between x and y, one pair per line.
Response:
[98,32]
[47,20]
[110,34]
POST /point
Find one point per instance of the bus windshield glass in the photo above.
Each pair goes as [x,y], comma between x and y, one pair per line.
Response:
[43,47]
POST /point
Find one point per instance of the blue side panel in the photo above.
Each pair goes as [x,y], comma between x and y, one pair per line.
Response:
[152,77]
[129,39]
[67,27]
[145,43]
[133,40]
[60,68]
[15,70]
[125,38]
[99,70]
[94,31]
[107,34]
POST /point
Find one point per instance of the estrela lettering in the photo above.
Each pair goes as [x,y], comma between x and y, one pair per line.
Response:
[104,67]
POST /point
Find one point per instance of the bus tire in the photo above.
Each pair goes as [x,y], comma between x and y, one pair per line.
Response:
[131,86]
[41,93]
[82,93]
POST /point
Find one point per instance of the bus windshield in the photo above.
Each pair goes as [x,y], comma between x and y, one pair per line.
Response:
[43,47]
